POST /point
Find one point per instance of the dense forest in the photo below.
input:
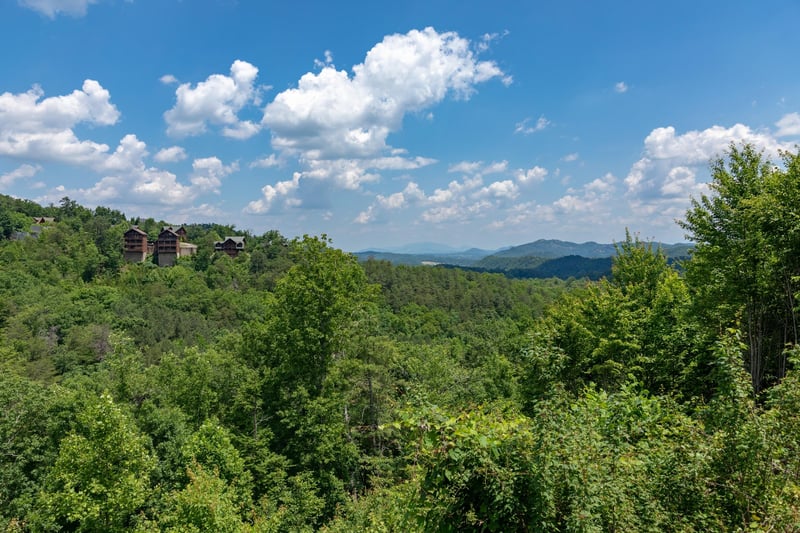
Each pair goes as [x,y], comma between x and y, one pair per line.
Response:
[293,388]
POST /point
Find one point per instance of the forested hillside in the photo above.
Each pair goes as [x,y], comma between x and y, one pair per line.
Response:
[292,388]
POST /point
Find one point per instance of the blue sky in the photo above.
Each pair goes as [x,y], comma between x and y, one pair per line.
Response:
[468,123]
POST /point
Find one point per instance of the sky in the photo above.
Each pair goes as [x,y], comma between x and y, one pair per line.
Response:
[466,123]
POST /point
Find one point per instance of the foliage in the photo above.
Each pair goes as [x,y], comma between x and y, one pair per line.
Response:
[745,261]
[100,478]
[293,389]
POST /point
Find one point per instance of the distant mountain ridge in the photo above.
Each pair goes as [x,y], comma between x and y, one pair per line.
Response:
[541,258]
[554,248]
[429,248]
[542,248]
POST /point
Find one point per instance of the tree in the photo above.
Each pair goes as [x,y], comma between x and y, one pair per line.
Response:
[24,447]
[312,322]
[611,331]
[101,476]
[315,305]
[744,265]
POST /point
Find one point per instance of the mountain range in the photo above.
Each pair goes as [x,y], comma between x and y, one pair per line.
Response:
[541,258]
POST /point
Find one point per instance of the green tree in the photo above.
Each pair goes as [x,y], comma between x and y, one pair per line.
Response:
[205,504]
[100,479]
[24,446]
[744,265]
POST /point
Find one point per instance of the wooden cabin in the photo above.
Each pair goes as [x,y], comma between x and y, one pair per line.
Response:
[134,247]
[167,247]
[230,245]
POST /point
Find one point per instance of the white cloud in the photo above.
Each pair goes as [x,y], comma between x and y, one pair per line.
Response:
[173,154]
[412,194]
[535,174]
[570,157]
[168,79]
[139,185]
[336,123]
[21,172]
[454,190]
[675,167]
[591,201]
[466,167]
[365,217]
[327,62]
[25,111]
[477,168]
[273,193]
[208,172]
[460,200]
[348,174]
[601,185]
[488,38]
[41,129]
[216,101]
[701,146]
[526,128]
[398,163]
[500,189]
[590,205]
[788,125]
[266,162]
[51,8]
[621,87]
[129,154]
[495,168]
[331,114]
[456,212]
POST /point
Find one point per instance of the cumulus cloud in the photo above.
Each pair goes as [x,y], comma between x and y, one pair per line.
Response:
[173,154]
[526,128]
[674,167]
[215,101]
[590,200]
[51,8]
[139,185]
[266,162]
[478,168]
[168,79]
[336,122]
[411,195]
[129,154]
[333,114]
[466,167]
[461,200]
[21,172]
[788,125]
[127,178]
[500,189]
[208,172]
[272,194]
[35,128]
[589,204]
[621,87]
[41,129]
[535,174]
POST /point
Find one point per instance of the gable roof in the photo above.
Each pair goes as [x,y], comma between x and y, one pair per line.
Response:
[169,231]
[236,240]
[137,230]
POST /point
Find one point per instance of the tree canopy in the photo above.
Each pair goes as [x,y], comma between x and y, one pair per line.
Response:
[292,388]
